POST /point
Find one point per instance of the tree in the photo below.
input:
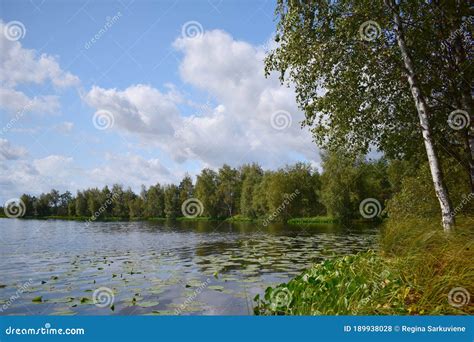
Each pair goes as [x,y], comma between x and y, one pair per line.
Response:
[228,190]
[81,204]
[206,192]
[154,203]
[186,189]
[424,114]
[251,176]
[29,205]
[172,204]
[338,184]
[348,83]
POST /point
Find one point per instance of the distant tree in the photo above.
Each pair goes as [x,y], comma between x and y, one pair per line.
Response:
[206,192]
[251,176]
[172,203]
[186,189]
[228,191]
[154,203]
[29,205]
[81,204]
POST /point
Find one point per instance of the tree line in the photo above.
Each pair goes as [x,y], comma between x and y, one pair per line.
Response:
[249,192]
[246,192]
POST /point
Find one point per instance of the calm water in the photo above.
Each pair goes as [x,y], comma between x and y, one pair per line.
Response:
[188,268]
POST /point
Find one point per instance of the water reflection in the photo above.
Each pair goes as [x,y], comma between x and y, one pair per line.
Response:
[158,267]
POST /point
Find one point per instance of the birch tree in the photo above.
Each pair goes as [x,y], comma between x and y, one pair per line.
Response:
[364,81]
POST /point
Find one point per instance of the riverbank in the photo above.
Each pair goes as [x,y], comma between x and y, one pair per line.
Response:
[419,270]
[237,218]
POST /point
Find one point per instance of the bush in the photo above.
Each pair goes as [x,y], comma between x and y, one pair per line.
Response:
[413,273]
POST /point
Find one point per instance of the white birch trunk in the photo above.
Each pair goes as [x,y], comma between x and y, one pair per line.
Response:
[424,114]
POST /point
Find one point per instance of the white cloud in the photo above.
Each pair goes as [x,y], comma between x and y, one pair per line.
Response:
[130,170]
[62,173]
[9,152]
[20,66]
[138,109]
[16,101]
[236,130]
[39,175]
[64,127]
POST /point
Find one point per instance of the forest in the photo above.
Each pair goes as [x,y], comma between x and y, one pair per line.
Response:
[249,192]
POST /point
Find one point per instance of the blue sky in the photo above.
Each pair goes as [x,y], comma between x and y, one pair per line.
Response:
[179,84]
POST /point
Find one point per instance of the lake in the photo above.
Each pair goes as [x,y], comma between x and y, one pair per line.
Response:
[57,267]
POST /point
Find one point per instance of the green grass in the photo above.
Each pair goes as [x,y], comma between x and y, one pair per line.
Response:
[413,273]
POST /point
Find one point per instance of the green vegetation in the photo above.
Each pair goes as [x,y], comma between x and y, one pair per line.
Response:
[412,274]
[312,220]
[345,60]
[246,193]
[367,73]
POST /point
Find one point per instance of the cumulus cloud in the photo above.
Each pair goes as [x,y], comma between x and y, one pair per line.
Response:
[63,173]
[138,109]
[20,66]
[130,169]
[10,152]
[37,176]
[237,128]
